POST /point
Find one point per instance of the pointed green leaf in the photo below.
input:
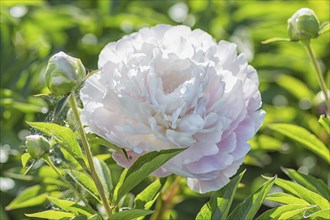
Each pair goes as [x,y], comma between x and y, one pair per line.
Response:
[303,193]
[146,198]
[103,172]
[51,214]
[249,207]
[94,139]
[31,196]
[85,182]
[63,135]
[322,214]
[304,137]
[325,122]
[143,167]
[25,159]
[70,206]
[95,217]
[295,87]
[285,212]
[130,214]
[286,199]
[311,183]
[219,205]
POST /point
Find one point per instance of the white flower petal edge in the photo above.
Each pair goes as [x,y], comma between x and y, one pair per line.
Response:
[169,87]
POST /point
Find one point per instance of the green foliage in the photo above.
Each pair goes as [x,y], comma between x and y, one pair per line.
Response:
[148,196]
[301,135]
[308,198]
[32,196]
[130,214]
[249,207]
[63,135]
[143,167]
[32,31]
[51,214]
[219,205]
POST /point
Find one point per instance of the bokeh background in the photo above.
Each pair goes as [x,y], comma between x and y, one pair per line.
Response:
[33,30]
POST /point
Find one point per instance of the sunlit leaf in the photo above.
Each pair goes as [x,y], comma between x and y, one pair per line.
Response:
[50,214]
[103,172]
[143,167]
[31,196]
[296,87]
[130,214]
[64,135]
[219,205]
[325,122]
[304,137]
[85,182]
[25,159]
[295,211]
[286,199]
[303,193]
[322,214]
[70,206]
[249,207]
[311,183]
[146,198]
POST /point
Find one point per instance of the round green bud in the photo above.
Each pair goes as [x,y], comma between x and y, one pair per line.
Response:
[64,74]
[37,146]
[303,25]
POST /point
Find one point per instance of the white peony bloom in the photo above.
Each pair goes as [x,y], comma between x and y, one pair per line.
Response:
[169,87]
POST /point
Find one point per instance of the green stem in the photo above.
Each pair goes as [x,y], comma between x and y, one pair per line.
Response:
[50,163]
[319,75]
[73,104]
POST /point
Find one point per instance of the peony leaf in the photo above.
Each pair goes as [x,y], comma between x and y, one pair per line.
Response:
[322,214]
[103,172]
[301,135]
[266,143]
[220,202]
[94,139]
[303,193]
[295,211]
[70,206]
[51,214]
[325,122]
[143,167]
[25,158]
[249,207]
[311,183]
[146,198]
[130,214]
[85,182]
[95,217]
[295,87]
[31,196]
[286,199]
[63,135]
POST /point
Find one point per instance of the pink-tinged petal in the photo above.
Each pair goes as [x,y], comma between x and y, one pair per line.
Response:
[167,87]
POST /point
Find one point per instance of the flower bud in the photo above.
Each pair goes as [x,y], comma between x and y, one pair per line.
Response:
[303,25]
[37,146]
[64,74]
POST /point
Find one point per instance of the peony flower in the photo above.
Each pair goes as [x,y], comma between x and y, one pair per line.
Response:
[169,87]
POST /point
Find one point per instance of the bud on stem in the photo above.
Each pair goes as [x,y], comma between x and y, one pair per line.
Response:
[64,74]
[37,146]
[303,25]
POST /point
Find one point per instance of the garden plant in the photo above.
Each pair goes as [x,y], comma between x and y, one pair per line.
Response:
[165,110]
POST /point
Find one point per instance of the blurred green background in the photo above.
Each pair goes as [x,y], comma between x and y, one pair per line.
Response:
[33,30]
